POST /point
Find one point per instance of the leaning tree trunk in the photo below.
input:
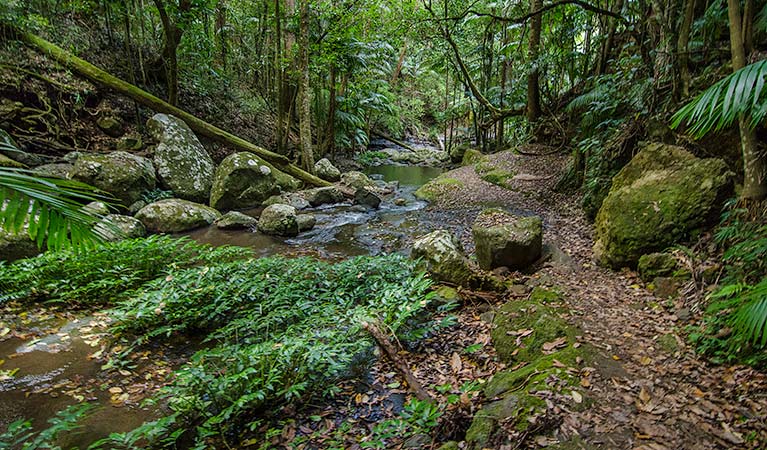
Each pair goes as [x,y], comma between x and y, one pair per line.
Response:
[98,76]
[754,162]
[683,48]
[533,82]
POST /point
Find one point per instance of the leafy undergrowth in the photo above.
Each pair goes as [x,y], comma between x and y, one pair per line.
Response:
[275,331]
[104,274]
[734,328]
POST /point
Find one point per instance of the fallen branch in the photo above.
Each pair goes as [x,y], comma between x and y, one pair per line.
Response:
[96,75]
[393,140]
[399,364]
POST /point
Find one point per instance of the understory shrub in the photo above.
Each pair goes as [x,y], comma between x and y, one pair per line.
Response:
[103,274]
[735,324]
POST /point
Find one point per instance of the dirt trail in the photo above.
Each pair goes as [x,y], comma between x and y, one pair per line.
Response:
[659,394]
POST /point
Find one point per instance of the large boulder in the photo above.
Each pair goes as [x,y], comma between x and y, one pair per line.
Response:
[183,165]
[116,227]
[326,170]
[356,180]
[324,196]
[121,174]
[55,170]
[174,215]
[443,257]
[366,196]
[664,195]
[293,199]
[279,220]
[234,220]
[242,180]
[505,240]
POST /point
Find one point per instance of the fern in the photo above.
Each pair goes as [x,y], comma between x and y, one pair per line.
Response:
[741,93]
[750,320]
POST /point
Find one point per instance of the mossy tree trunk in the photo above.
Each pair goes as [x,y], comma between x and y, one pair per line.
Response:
[98,76]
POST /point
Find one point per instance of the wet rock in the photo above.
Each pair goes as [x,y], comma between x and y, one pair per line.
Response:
[502,239]
[17,246]
[234,220]
[97,208]
[56,170]
[280,220]
[121,174]
[183,165]
[324,196]
[242,180]
[306,222]
[443,257]
[131,143]
[110,125]
[291,198]
[400,201]
[174,215]
[326,170]
[656,265]
[664,195]
[115,227]
[366,196]
[356,180]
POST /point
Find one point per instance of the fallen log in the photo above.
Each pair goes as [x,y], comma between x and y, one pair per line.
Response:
[96,75]
[393,140]
[391,353]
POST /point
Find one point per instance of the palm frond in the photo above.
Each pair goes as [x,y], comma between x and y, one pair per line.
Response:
[742,93]
[751,318]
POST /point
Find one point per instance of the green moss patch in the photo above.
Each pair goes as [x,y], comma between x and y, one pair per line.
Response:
[438,187]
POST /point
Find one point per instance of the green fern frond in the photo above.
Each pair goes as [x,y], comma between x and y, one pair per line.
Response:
[49,210]
[742,93]
[751,318]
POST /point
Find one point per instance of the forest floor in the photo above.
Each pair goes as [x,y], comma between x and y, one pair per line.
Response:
[660,394]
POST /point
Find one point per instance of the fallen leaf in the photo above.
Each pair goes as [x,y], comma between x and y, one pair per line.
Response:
[645,360]
[644,395]
[455,363]
[115,390]
[577,397]
[556,343]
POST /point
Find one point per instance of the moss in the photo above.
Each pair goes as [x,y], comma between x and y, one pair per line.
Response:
[432,190]
[8,162]
[472,156]
[668,343]
[499,177]
[536,314]
[447,294]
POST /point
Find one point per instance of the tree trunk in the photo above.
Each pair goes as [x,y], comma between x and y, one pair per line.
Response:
[754,162]
[304,92]
[98,76]
[172,38]
[533,88]
[607,48]
[400,62]
[682,48]
[280,82]
[748,27]
[330,127]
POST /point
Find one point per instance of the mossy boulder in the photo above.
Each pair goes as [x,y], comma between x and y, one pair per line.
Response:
[356,180]
[132,143]
[503,239]
[472,156]
[655,265]
[111,125]
[443,257]
[234,220]
[174,215]
[326,170]
[280,220]
[243,180]
[367,197]
[305,222]
[115,227]
[457,152]
[183,165]
[294,199]
[664,195]
[55,170]
[499,177]
[438,187]
[122,174]
[323,196]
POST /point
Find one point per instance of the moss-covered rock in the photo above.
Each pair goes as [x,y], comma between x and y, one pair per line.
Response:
[437,187]
[356,180]
[111,125]
[662,196]
[498,177]
[655,265]
[444,258]
[115,227]
[174,215]
[457,152]
[503,239]
[17,246]
[243,180]
[326,170]
[235,220]
[55,170]
[323,196]
[8,162]
[280,220]
[121,174]
[472,156]
[183,165]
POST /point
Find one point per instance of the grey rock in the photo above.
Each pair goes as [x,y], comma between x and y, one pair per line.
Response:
[278,220]
[323,196]
[115,227]
[293,199]
[326,170]
[183,165]
[121,174]
[234,220]
[305,222]
[56,170]
[443,256]
[131,143]
[356,180]
[243,180]
[366,196]
[174,215]
[502,239]
[110,125]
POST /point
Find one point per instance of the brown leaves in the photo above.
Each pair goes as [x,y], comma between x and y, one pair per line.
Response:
[551,347]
